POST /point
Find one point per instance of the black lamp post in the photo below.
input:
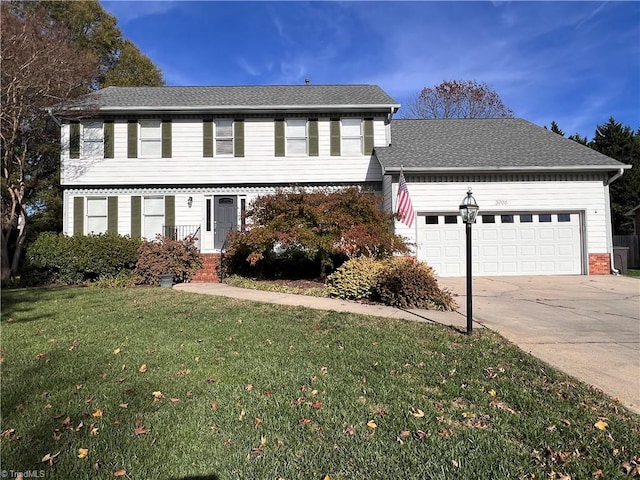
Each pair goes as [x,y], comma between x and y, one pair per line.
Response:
[469,212]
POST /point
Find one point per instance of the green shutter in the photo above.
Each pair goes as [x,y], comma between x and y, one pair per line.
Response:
[238,138]
[132,139]
[78,215]
[166,139]
[335,137]
[368,136]
[112,214]
[108,139]
[313,137]
[279,138]
[169,211]
[207,138]
[74,140]
[136,217]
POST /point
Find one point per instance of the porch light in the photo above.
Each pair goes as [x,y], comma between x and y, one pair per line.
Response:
[190,202]
[469,212]
[469,209]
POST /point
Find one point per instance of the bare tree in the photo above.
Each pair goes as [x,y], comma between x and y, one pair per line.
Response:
[41,67]
[458,99]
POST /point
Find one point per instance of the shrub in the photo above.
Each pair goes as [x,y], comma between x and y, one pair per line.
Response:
[355,279]
[407,283]
[78,259]
[179,258]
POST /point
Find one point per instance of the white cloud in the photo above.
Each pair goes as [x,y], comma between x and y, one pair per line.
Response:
[127,11]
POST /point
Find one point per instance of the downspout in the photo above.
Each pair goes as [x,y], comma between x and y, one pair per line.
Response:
[608,182]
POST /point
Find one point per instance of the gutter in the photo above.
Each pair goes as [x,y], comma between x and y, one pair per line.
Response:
[616,176]
[514,169]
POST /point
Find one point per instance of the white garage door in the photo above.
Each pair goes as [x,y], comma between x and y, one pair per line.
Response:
[502,244]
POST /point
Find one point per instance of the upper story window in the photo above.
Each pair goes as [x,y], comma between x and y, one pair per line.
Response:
[351,136]
[96,215]
[296,134]
[92,138]
[150,138]
[224,138]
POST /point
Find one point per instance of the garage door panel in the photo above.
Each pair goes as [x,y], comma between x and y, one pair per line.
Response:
[515,247]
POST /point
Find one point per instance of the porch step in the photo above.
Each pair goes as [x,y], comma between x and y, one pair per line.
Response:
[208,274]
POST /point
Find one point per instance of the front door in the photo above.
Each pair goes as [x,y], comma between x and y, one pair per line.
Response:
[225,218]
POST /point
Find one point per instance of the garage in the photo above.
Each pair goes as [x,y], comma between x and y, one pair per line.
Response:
[504,243]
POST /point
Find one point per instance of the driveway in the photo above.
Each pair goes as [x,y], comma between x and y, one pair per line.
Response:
[587,326]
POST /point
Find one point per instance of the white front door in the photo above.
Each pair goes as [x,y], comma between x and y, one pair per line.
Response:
[543,243]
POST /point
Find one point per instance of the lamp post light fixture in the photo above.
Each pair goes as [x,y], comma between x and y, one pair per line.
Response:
[469,212]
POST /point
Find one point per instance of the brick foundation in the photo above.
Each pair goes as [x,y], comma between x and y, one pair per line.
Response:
[208,274]
[599,264]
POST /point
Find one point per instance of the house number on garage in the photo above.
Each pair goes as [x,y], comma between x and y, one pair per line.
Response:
[502,203]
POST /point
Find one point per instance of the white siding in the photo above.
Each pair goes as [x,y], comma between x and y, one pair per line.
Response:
[513,197]
[188,166]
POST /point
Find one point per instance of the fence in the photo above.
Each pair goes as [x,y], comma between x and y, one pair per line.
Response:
[632,242]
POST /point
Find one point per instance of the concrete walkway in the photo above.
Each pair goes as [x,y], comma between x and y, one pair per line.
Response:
[587,326]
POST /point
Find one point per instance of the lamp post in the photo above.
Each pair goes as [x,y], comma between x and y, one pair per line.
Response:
[469,212]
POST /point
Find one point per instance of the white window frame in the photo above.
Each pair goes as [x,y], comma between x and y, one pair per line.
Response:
[150,138]
[297,136]
[150,217]
[221,137]
[92,144]
[97,215]
[349,136]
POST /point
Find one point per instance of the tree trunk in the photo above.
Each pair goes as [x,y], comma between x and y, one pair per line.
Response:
[6,264]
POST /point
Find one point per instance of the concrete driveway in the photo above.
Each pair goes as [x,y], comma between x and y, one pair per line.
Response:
[587,326]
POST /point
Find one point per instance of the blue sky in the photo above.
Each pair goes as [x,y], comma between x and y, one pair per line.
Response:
[577,63]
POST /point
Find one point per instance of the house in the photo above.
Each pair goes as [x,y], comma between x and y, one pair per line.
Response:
[189,160]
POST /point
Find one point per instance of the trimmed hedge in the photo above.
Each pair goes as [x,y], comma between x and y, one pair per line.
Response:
[398,281]
[79,259]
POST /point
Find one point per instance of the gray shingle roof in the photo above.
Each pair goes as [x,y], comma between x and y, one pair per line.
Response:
[484,144]
[241,97]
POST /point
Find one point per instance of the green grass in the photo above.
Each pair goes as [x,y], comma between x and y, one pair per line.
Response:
[633,273]
[253,390]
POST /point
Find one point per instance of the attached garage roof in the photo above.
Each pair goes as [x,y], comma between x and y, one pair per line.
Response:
[467,145]
[241,98]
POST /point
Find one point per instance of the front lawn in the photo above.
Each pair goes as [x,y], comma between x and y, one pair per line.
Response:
[152,383]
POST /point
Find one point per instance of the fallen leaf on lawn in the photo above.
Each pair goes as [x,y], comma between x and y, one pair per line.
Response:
[304,421]
[418,413]
[324,370]
[371,424]
[157,395]
[327,477]
[421,434]
[503,406]
[214,405]
[97,413]
[143,368]
[455,464]
[50,459]
[120,473]
[174,400]
[551,428]
[116,351]
[243,412]
[124,405]
[257,421]
[263,440]
[89,399]
[446,433]
[566,422]
[597,474]
[83,452]
[492,393]
[349,430]
[74,345]
[601,425]
[40,356]
[7,433]
[248,387]
[267,393]
[317,405]
[94,432]
[140,429]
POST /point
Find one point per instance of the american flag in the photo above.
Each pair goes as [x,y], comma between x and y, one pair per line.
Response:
[404,207]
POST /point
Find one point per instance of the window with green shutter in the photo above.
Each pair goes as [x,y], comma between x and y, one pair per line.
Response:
[108,139]
[313,137]
[368,136]
[136,217]
[279,138]
[335,137]
[74,140]
[78,215]
[238,138]
[112,215]
[132,139]
[207,138]
[166,139]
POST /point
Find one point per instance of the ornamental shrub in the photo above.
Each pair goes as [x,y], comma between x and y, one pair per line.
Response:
[59,258]
[180,258]
[355,279]
[407,283]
